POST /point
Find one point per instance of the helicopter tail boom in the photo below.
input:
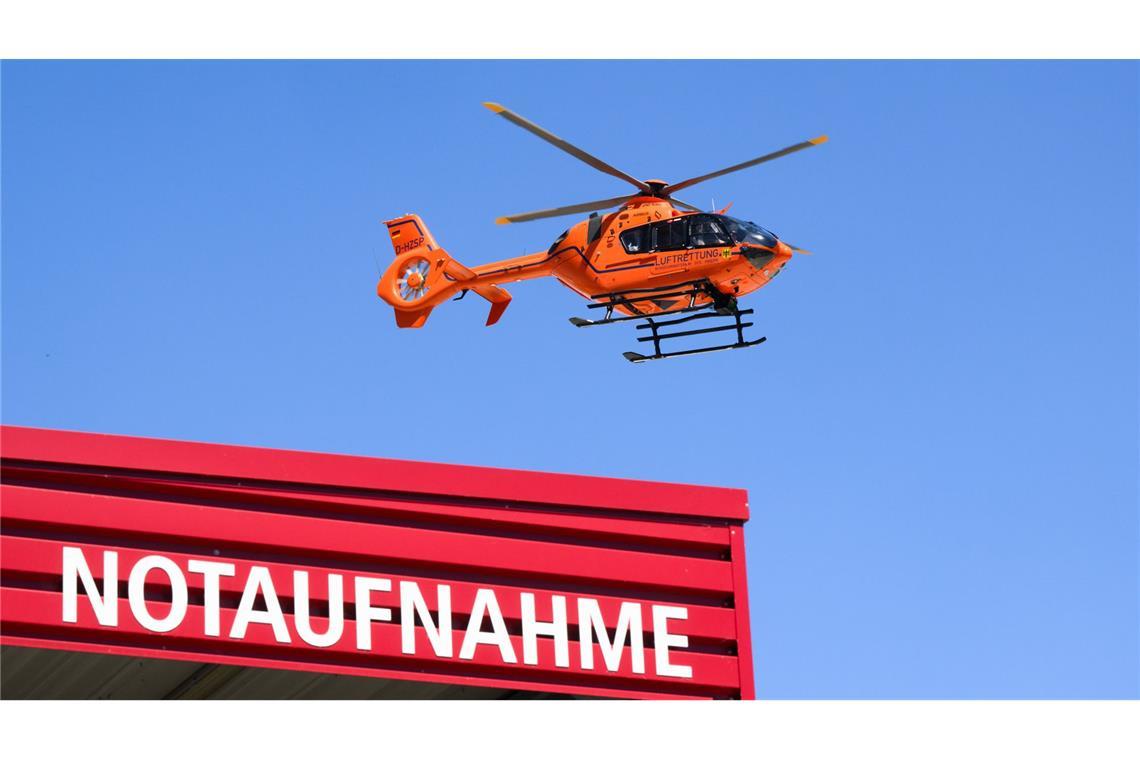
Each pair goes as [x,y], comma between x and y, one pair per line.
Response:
[424,275]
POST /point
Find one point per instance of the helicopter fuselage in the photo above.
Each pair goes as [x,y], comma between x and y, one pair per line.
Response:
[647,244]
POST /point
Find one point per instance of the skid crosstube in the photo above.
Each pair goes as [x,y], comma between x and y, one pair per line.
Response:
[631,298]
[720,307]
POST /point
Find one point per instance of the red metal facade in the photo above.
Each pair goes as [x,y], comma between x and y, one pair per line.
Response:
[615,542]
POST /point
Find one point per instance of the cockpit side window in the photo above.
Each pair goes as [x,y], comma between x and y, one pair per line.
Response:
[706,232]
[749,233]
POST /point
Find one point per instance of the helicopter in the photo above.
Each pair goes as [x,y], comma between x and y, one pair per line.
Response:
[654,259]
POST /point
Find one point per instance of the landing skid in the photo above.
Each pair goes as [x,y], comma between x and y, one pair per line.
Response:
[721,307]
[637,358]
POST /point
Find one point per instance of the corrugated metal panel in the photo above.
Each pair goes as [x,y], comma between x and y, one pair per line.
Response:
[613,541]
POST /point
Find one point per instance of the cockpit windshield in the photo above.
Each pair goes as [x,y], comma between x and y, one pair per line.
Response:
[747,232]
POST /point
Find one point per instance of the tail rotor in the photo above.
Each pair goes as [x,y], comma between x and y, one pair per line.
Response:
[411,280]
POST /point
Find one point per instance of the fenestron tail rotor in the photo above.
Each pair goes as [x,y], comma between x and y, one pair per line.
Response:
[650,188]
[411,282]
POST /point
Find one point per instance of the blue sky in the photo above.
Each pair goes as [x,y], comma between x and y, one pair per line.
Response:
[939,438]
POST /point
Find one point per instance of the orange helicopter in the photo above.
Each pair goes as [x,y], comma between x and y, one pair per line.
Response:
[654,257]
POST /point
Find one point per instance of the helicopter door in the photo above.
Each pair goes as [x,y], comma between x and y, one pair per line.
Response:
[670,235]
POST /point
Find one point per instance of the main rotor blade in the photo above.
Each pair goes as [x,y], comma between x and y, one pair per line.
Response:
[737,167]
[558,142]
[682,204]
[564,210]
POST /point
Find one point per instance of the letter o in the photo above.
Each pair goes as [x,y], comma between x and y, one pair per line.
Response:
[178,595]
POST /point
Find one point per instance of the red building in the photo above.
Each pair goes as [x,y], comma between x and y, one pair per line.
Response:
[134,567]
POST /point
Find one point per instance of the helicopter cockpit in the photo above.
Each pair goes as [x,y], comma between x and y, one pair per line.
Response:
[749,233]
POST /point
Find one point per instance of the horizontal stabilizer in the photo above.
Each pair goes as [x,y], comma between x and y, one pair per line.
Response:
[499,298]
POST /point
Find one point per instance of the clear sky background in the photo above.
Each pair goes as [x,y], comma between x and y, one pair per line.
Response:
[939,439]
